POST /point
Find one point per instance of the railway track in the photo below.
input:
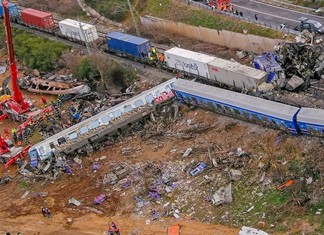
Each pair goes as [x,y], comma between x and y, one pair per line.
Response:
[313,92]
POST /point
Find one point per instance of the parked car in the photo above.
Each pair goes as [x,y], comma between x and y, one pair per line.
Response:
[311,25]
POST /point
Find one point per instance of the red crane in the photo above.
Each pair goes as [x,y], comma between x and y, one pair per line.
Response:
[17,103]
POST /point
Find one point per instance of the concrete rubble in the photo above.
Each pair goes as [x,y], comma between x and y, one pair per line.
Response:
[223,196]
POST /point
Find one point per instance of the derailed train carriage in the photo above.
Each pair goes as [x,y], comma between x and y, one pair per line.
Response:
[292,119]
[94,129]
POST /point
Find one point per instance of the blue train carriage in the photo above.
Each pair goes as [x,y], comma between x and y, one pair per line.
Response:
[311,121]
[13,11]
[128,45]
[238,105]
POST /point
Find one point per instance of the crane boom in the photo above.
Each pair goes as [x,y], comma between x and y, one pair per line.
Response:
[17,95]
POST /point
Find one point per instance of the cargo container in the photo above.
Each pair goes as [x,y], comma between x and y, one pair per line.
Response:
[13,11]
[72,29]
[128,45]
[188,61]
[37,18]
[235,74]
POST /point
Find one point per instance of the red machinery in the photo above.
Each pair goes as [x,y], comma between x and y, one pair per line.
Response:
[16,105]
[221,5]
[9,153]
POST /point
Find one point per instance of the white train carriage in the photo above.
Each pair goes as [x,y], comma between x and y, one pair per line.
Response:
[311,121]
[78,31]
[45,149]
[242,106]
[188,61]
[235,74]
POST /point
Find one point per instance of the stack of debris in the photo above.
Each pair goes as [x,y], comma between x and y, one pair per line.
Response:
[301,63]
[54,84]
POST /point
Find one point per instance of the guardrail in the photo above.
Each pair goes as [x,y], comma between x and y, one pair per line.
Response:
[248,20]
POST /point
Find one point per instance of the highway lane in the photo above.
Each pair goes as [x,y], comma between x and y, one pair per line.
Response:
[272,14]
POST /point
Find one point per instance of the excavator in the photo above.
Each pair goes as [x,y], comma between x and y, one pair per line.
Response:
[221,5]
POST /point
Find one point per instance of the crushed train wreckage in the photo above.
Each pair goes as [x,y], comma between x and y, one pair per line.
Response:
[54,85]
[292,65]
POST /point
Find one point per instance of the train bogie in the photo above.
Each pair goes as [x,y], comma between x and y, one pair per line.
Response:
[188,61]
[78,31]
[311,121]
[128,45]
[236,75]
[39,19]
[13,11]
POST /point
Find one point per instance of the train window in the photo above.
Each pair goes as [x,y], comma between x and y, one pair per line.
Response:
[236,111]
[127,108]
[219,106]
[83,130]
[158,93]
[61,140]
[149,98]
[227,108]
[73,135]
[210,105]
[117,113]
[255,117]
[95,124]
[167,88]
[194,99]
[138,103]
[264,119]
[105,119]
[41,150]
[52,146]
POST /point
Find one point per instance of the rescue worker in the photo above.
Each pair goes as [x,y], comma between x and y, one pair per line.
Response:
[15,137]
[13,130]
[153,50]
[44,100]
[110,231]
[231,8]
[25,136]
[43,211]
[256,17]
[241,13]
[113,225]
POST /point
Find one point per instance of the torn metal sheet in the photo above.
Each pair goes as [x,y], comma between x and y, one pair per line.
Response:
[294,82]
[39,85]
[223,196]
[251,231]
[3,69]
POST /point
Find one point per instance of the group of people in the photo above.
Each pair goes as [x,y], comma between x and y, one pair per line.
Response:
[46,212]
[113,229]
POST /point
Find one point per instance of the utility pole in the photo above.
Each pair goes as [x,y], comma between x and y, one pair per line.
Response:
[134,20]
[85,39]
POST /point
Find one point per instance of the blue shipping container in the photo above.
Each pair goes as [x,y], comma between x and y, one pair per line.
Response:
[128,44]
[13,10]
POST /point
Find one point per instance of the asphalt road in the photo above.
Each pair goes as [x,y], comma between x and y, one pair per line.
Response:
[270,14]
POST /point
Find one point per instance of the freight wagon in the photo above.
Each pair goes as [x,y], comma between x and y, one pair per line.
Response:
[13,11]
[37,19]
[78,31]
[236,75]
[249,108]
[189,62]
[128,45]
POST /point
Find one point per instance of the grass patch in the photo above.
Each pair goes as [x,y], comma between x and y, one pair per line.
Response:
[176,11]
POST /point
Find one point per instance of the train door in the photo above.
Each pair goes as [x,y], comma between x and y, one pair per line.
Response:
[33,154]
